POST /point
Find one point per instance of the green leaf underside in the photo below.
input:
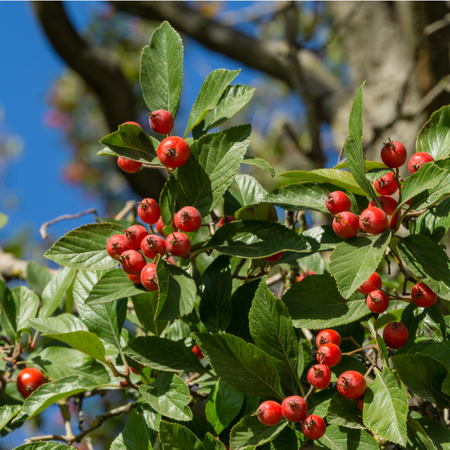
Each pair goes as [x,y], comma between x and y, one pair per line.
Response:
[177,437]
[340,438]
[260,163]
[7,413]
[26,305]
[344,412]
[55,290]
[37,277]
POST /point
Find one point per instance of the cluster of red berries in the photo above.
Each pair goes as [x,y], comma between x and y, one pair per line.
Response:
[29,380]
[172,152]
[125,247]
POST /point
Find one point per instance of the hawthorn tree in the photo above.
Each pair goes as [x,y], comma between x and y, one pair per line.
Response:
[220,347]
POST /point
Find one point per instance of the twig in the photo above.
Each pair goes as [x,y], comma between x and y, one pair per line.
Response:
[359,350]
[153,166]
[130,205]
[238,268]
[44,226]
[274,279]
[66,416]
[436,26]
[311,390]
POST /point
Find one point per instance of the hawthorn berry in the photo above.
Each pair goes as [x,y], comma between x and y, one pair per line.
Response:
[173,152]
[132,262]
[346,225]
[305,274]
[153,245]
[132,123]
[269,413]
[149,211]
[159,225]
[360,402]
[29,380]
[351,384]
[394,154]
[395,335]
[148,277]
[423,296]
[274,258]
[225,219]
[161,121]
[388,205]
[178,244]
[329,354]
[338,202]
[123,384]
[136,279]
[134,370]
[373,283]
[188,219]
[377,301]
[418,160]
[116,246]
[134,236]
[386,185]
[128,165]
[327,337]
[373,221]
[313,427]
[294,408]
[319,376]
[197,352]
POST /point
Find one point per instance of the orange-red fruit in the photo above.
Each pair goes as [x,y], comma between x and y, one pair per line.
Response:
[313,427]
[386,185]
[394,154]
[351,384]
[305,274]
[373,221]
[373,283]
[188,219]
[159,225]
[148,277]
[132,123]
[116,245]
[346,225]
[173,152]
[149,211]
[337,202]
[153,245]
[377,301]
[360,402]
[423,296]
[319,376]
[388,205]
[132,262]
[225,219]
[134,236]
[197,352]
[269,413]
[418,160]
[328,337]
[178,244]
[294,408]
[136,279]
[29,380]
[128,165]
[395,335]
[274,258]
[161,121]
[134,370]
[329,354]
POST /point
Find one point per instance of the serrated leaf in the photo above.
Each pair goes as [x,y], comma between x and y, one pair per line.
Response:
[386,407]
[145,309]
[370,165]
[7,413]
[212,443]
[316,303]
[134,436]
[319,402]
[241,365]
[347,363]
[176,437]
[244,191]
[59,324]
[8,310]
[344,412]
[211,168]
[210,93]
[322,238]
[341,438]
[287,439]
[37,277]
[439,435]
[434,137]
[84,248]
[374,174]
[44,446]
[26,305]
[355,260]
[390,316]
[168,199]
[435,222]
[424,322]
[260,163]
[161,72]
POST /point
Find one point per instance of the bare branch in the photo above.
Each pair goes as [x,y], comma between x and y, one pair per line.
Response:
[44,226]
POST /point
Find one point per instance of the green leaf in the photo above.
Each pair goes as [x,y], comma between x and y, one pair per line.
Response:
[347,363]
[167,201]
[287,439]
[440,351]
[424,322]
[435,222]
[344,412]
[8,311]
[386,407]
[145,309]
[44,446]
[370,165]
[212,443]
[355,260]
[338,178]
[211,168]
[60,324]
[163,354]
[259,162]
[134,436]
[390,316]
[261,211]
[439,435]
[374,174]
[340,438]
[223,405]
[37,277]
[241,365]
[176,437]
[3,220]
[424,376]
[319,402]
[210,93]
[177,291]
[161,72]
[215,305]
[271,328]
[27,304]
[316,303]
[233,99]
[428,261]
[169,396]
[255,239]
[7,413]
[244,191]
[84,248]
[250,432]
[434,137]
[322,238]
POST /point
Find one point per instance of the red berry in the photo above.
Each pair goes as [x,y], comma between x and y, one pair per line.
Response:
[198,353]
[328,337]
[153,245]
[148,277]
[178,244]
[134,370]
[29,380]
[294,408]
[132,123]
[418,160]
[132,262]
[377,301]
[393,154]
[346,225]
[313,427]
[305,274]
[386,185]
[319,376]
[116,245]
[274,258]
[159,225]
[128,165]
[360,402]
[395,335]
[373,283]
[149,211]
[123,383]
[269,413]
[188,219]
[173,152]
[388,205]
[134,236]
[423,296]
[329,354]
[161,121]
[337,202]
[351,384]
[171,260]
[373,221]
[136,279]
[225,219]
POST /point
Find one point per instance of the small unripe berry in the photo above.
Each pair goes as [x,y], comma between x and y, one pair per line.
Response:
[294,408]
[328,337]
[423,296]
[329,354]
[377,301]
[188,219]
[148,277]
[395,335]
[388,205]
[128,165]
[159,225]
[173,152]
[197,352]
[319,376]
[136,279]
[132,262]
[274,258]
[123,384]
[116,246]
[305,274]
[161,121]
[29,380]
[134,236]
[225,219]
[149,211]
[178,244]
[373,283]
[269,413]
[153,245]
[373,221]
[313,427]
[337,202]
[386,185]
[346,225]
[418,160]
[351,384]
[394,154]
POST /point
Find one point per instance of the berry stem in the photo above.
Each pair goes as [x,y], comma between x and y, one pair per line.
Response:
[311,390]
[368,347]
